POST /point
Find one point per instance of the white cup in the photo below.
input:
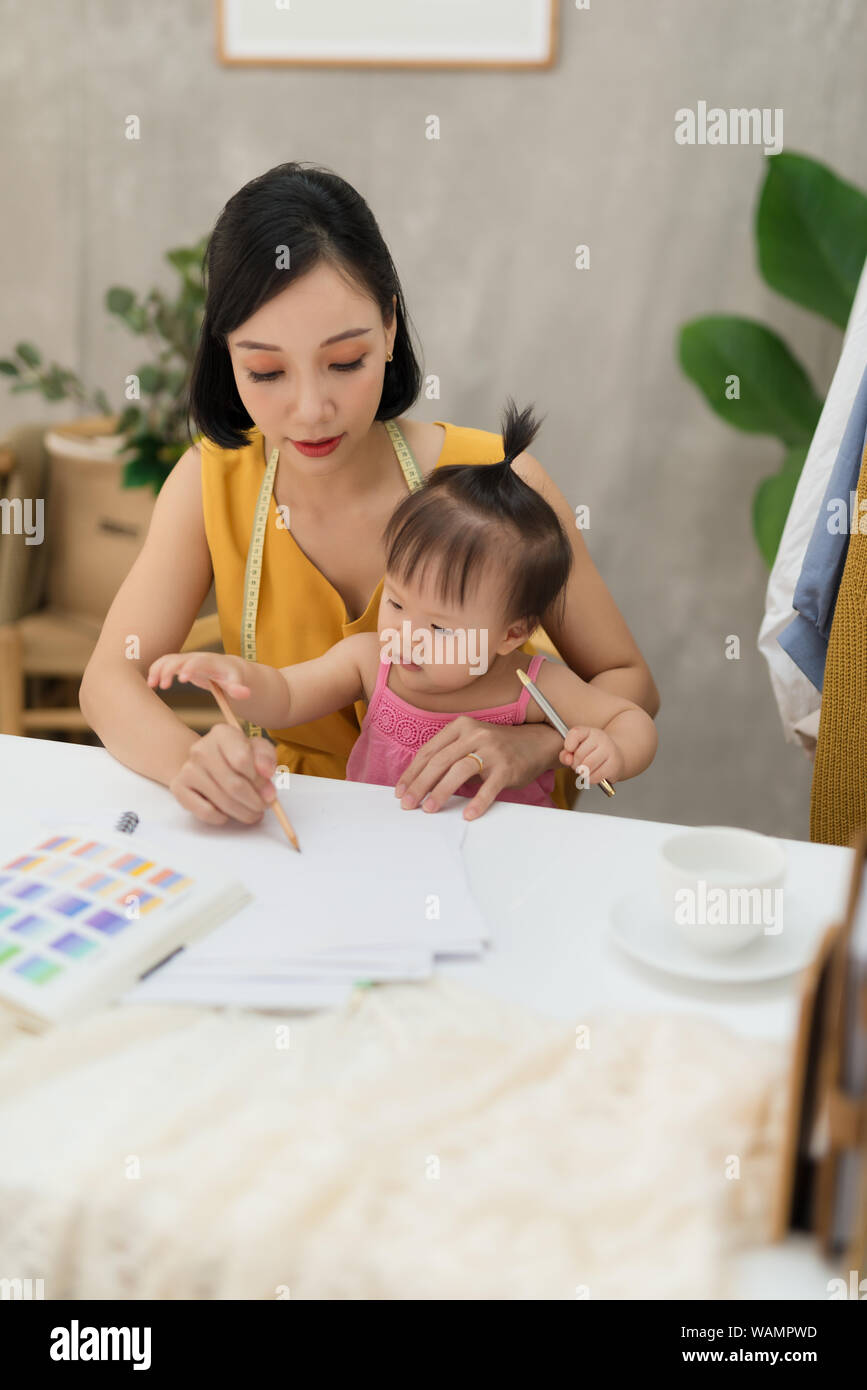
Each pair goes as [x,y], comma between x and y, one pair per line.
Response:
[721,887]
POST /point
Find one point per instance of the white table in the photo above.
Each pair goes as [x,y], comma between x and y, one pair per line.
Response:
[547,879]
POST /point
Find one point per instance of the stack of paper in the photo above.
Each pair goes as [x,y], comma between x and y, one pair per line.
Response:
[369,898]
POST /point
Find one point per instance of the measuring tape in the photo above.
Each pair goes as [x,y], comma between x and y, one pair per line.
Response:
[253,573]
[405,456]
[255,551]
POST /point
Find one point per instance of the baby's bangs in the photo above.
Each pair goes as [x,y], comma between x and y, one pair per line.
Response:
[422,554]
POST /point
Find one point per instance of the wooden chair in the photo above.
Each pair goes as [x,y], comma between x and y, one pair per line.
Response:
[54,644]
[50,643]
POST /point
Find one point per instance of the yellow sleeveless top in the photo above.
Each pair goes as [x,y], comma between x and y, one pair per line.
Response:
[300,613]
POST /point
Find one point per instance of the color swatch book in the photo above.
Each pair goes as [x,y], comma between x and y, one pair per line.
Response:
[83,915]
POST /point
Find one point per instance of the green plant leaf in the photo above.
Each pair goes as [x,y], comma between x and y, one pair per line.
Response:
[151,379]
[129,419]
[122,302]
[29,354]
[185,259]
[8,368]
[53,385]
[119,300]
[772,500]
[140,471]
[811,228]
[775,394]
[170,453]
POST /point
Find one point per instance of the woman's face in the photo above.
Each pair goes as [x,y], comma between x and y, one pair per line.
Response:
[313,388]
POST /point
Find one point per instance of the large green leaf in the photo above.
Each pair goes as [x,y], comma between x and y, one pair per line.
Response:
[772,500]
[775,394]
[811,228]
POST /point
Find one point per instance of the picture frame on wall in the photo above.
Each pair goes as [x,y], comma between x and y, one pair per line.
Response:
[388,33]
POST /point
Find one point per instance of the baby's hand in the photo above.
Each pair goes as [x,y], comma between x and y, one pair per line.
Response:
[595,751]
[198,668]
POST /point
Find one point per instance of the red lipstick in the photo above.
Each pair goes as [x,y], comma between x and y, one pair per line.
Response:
[317,448]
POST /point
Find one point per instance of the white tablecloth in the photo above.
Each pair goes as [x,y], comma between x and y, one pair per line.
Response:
[547,881]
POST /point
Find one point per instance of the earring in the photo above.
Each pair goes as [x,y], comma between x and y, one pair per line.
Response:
[388,358]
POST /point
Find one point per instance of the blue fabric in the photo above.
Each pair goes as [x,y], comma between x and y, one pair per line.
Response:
[815,597]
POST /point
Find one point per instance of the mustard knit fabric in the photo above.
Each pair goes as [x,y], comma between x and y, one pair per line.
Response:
[300,613]
[838,799]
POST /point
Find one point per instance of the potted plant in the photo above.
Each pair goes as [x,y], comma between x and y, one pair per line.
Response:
[107,469]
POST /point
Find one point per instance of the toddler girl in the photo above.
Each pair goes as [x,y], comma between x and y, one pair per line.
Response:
[474,561]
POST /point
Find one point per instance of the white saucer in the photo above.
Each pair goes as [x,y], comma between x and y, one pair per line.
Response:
[638,925]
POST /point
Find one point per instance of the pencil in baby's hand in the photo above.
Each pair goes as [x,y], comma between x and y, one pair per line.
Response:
[231,718]
[547,708]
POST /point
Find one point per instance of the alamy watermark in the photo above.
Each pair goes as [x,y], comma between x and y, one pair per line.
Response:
[22,1289]
[77,1343]
[843,520]
[16,518]
[738,126]
[722,907]
[450,646]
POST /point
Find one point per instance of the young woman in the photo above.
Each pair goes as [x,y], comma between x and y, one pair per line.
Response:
[303,371]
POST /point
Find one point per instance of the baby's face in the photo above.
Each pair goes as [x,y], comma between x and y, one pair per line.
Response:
[442,646]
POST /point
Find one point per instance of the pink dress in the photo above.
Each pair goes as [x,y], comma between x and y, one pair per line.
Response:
[393,731]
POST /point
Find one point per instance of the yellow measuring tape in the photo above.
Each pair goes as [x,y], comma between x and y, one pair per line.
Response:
[253,568]
[405,456]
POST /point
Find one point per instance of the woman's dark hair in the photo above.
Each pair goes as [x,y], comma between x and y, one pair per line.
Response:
[468,516]
[320,218]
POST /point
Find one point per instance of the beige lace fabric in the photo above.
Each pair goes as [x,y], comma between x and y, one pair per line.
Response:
[425,1142]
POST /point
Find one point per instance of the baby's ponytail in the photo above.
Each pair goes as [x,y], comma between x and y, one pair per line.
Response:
[519,429]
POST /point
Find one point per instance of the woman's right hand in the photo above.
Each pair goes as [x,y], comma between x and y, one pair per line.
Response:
[227,776]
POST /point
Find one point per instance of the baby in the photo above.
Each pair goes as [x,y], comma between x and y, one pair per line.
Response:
[474,559]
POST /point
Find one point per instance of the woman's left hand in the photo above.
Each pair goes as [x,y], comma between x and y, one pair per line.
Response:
[512,756]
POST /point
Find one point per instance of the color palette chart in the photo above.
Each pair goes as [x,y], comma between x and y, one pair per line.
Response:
[63,904]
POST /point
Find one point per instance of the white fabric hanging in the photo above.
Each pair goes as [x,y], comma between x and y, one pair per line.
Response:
[798,700]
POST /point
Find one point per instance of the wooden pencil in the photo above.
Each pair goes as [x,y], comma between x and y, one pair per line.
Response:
[231,718]
[547,708]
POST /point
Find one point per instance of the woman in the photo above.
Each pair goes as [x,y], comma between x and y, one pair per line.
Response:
[303,371]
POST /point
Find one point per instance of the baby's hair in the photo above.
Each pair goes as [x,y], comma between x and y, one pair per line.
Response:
[321,219]
[467,517]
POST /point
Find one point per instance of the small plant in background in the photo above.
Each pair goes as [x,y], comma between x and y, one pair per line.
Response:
[154,425]
[811,234]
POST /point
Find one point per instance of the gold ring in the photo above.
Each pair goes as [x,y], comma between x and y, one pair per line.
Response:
[478,760]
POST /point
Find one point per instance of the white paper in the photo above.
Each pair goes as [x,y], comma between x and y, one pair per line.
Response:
[164,988]
[199,960]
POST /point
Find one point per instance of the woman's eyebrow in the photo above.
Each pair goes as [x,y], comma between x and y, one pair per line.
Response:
[337,338]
